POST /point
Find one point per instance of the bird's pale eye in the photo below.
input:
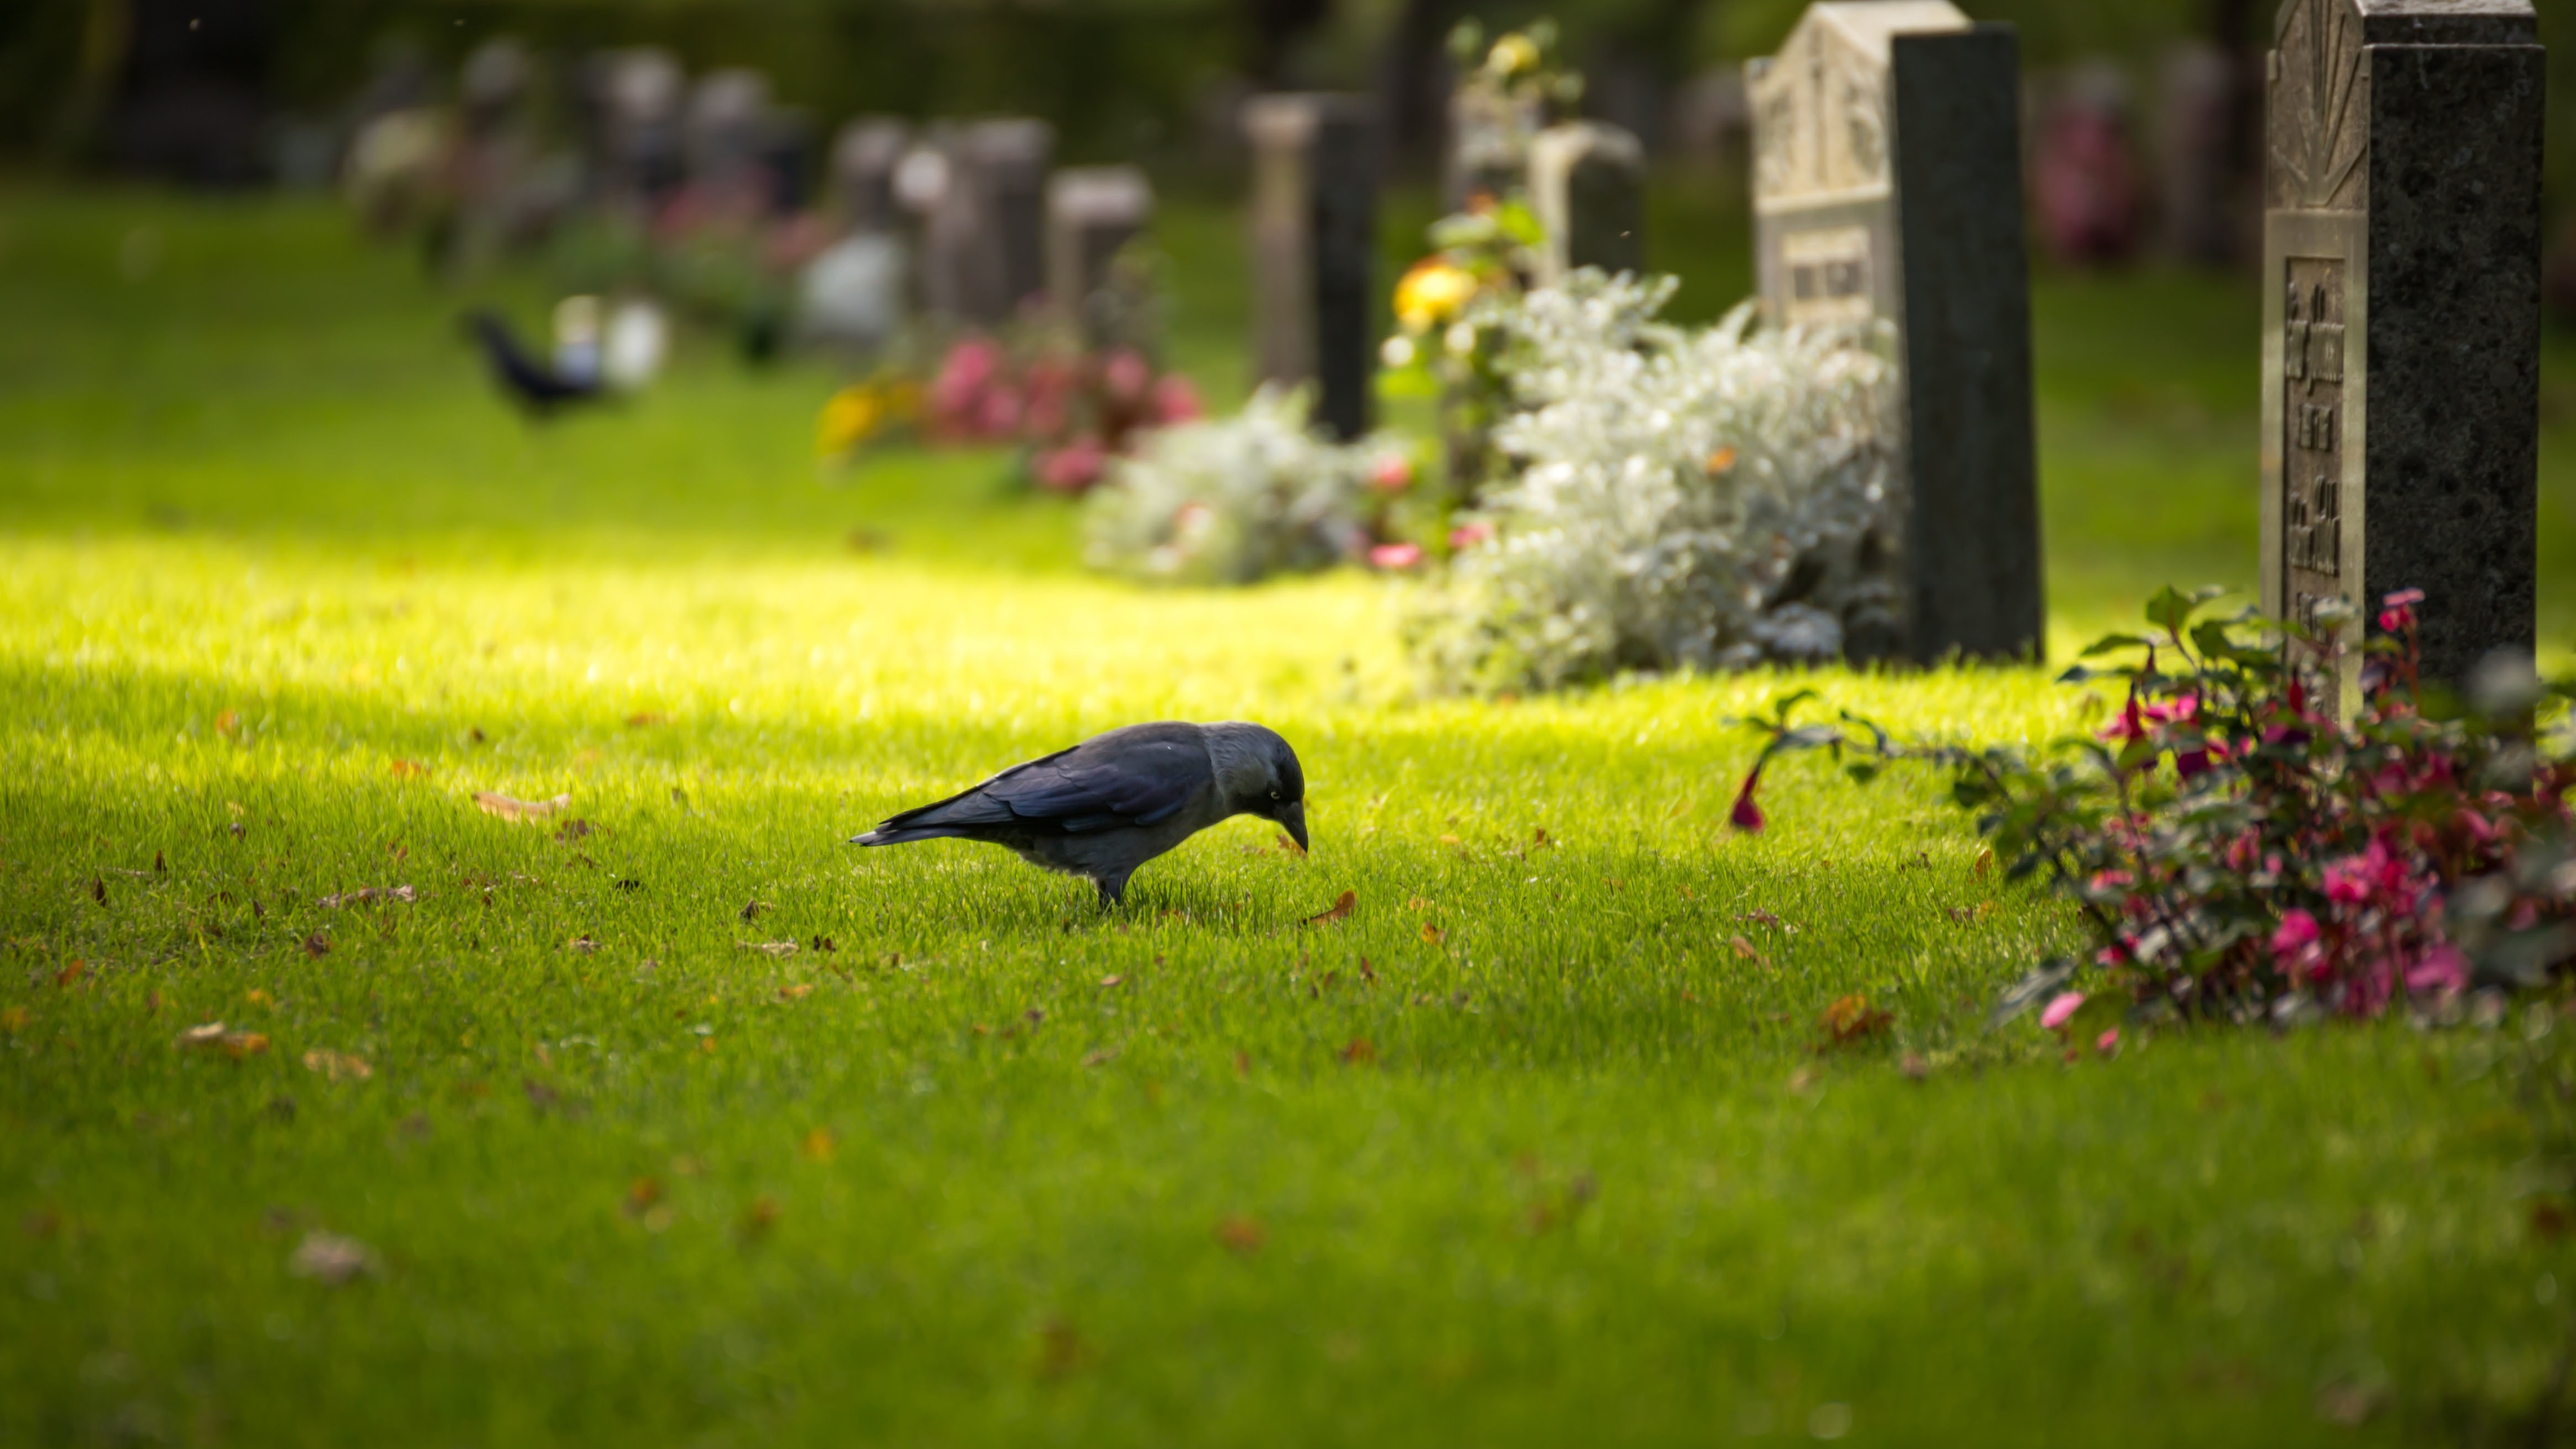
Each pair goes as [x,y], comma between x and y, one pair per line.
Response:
[1274,794]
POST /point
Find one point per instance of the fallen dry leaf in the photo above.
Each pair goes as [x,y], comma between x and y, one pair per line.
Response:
[235,1044]
[1539,840]
[1850,1019]
[1242,1234]
[1361,1052]
[1111,980]
[1288,846]
[818,1145]
[508,808]
[410,770]
[368,893]
[71,973]
[573,830]
[330,1258]
[797,992]
[338,1065]
[1099,1057]
[1744,950]
[1430,934]
[1985,860]
[1341,910]
[646,720]
[770,948]
[1419,903]
[751,909]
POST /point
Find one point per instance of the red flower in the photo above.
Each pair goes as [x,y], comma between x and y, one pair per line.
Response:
[1745,815]
[1395,555]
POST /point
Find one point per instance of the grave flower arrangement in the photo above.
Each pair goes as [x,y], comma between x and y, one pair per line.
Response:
[1073,411]
[2236,851]
[1235,500]
[1677,500]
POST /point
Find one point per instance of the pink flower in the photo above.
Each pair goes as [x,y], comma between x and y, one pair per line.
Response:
[1395,555]
[1176,401]
[2297,932]
[2131,725]
[1073,468]
[1468,535]
[2189,763]
[2399,609]
[1393,474]
[2441,969]
[2062,1007]
[1745,815]
[2108,1042]
[1126,374]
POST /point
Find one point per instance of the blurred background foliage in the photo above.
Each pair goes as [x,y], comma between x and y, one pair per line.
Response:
[1121,79]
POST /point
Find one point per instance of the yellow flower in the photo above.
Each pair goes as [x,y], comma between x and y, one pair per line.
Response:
[1514,54]
[1431,294]
[860,412]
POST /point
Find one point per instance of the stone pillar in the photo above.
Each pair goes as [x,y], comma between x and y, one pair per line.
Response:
[1091,213]
[1005,164]
[1314,240]
[2401,353]
[1887,189]
[864,157]
[1587,183]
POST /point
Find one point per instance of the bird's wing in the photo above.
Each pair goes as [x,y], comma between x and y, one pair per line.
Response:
[1095,785]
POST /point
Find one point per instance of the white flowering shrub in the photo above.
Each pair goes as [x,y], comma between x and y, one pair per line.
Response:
[1231,500]
[1678,500]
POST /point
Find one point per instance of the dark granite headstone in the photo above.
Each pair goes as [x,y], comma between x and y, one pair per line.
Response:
[1887,187]
[864,157]
[1587,182]
[1092,211]
[2401,356]
[1314,238]
[1005,163]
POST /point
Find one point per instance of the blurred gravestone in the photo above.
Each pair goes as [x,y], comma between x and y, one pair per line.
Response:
[2200,176]
[940,224]
[1004,164]
[1091,213]
[725,139]
[640,99]
[1887,187]
[864,158]
[2401,245]
[1314,225]
[1587,183]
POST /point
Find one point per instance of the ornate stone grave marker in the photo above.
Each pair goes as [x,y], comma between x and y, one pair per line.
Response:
[1092,211]
[1587,182]
[2401,258]
[1887,185]
[1314,234]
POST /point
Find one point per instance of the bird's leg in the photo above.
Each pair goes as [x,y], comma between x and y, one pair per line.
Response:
[1111,889]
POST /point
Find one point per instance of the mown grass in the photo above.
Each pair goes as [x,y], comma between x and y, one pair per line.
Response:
[1528,1149]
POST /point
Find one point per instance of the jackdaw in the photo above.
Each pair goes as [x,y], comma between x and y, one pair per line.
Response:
[1117,800]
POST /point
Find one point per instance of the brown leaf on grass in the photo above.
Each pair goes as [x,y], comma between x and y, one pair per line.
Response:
[797,992]
[1851,1019]
[1341,910]
[645,720]
[780,949]
[1744,950]
[573,830]
[410,770]
[752,909]
[317,944]
[234,1044]
[758,1218]
[1539,840]
[71,973]
[641,1195]
[509,808]
[331,1259]
[98,889]
[824,944]
[1430,934]
[1100,1057]
[159,866]
[1242,1235]
[227,723]
[1914,1067]
[1361,1052]
[1985,860]
[1111,980]
[337,1066]
[364,894]
[14,1020]
[818,1145]
[1966,915]
[1288,846]
[1765,918]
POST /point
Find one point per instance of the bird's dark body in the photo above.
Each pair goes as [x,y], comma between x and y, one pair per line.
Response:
[1106,806]
[533,385]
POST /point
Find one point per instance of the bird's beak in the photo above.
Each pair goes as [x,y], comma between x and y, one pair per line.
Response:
[1294,817]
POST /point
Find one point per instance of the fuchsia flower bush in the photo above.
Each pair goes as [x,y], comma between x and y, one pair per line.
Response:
[2236,850]
[1074,412]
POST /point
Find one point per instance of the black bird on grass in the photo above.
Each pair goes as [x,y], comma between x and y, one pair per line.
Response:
[537,388]
[1117,800]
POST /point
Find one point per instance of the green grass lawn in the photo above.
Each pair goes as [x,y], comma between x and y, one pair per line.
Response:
[1536,1147]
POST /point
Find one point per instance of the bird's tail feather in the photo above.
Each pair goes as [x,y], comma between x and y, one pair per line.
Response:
[905,834]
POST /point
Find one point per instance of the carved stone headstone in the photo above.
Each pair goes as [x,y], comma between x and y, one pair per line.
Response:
[1092,211]
[1005,163]
[864,157]
[2401,265]
[1314,238]
[1887,187]
[1587,182]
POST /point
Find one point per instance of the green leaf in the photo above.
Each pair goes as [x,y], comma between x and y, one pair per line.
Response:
[2109,642]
